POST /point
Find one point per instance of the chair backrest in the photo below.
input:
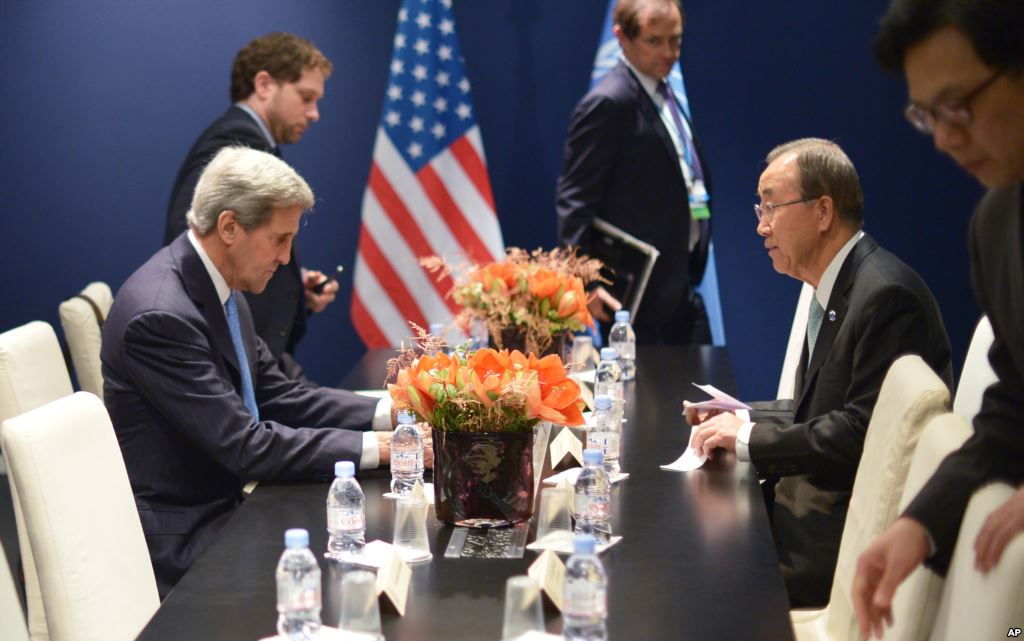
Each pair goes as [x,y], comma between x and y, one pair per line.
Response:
[977,374]
[911,395]
[795,346]
[917,598]
[82,318]
[976,605]
[93,563]
[12,623]
[32,373]
[32,369]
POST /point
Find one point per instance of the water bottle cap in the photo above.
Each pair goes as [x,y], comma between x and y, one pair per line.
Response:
[609,354]
[344,468]
[405,417]
[593,457]
[296,538]
[603,402]
[584,543]
[437,329]
[622,316]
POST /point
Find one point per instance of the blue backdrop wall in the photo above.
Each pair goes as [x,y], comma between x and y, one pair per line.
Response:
[102,100]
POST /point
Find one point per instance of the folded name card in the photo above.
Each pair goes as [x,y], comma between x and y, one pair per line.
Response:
[719,400]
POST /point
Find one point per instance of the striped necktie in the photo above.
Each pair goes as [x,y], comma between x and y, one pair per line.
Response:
[814,316]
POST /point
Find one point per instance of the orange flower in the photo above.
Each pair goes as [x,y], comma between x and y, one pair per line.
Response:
[545,283]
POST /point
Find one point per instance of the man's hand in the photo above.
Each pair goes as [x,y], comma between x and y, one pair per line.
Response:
[695,416]
[317,302]
[880,570]
[384,448]
[717,431]
[1006,522]
[603,305]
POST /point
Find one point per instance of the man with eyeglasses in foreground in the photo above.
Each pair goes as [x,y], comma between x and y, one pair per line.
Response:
[868,309]
[964,66]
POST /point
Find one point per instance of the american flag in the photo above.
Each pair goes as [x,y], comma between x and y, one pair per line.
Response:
[428,191]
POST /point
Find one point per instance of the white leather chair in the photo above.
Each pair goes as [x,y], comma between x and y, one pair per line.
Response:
[94,568]
[795,346]
[976,605]
[977,374]
[82,318]
[911,395]
[12,622]
[32,373]
[917,599]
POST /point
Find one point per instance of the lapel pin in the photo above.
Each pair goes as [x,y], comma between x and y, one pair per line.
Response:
[831,314]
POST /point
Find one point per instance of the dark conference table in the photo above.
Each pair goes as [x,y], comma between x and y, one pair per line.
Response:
[696,561]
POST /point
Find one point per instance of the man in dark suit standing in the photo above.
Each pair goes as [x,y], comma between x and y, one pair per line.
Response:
[276,81]
[964,66]
[868,309]
[197,400]
[631,159]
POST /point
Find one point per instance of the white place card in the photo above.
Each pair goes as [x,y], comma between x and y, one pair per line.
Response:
[549,572]
[566,443]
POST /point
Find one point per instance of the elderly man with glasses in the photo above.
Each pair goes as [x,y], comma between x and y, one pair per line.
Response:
[868,309]
[964,65]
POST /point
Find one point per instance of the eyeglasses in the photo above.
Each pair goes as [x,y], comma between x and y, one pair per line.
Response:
[766,212]
[955,111]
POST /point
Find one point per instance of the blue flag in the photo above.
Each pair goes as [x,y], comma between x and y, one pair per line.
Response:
[608,54]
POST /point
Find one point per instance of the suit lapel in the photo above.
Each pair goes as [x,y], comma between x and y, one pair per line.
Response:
[835,312]
[202,292]
[653,117]
[1015,275]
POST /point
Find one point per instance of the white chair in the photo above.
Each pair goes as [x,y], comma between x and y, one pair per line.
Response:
[917,599]
[82,318]
[976,605]
[94,568]
[12,623]
[977,374]
[911,395]
[32,373]
[795,346]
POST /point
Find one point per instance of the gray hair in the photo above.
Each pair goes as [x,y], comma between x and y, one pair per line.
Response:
[826,170]
[250,183]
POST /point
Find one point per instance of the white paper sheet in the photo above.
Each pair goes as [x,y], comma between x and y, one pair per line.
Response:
[719,400]
[373,393]
[564,545]
[428,493]
[572,473]
[690,460]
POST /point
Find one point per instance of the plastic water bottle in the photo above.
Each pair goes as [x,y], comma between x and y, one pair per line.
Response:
[298,589]
[592,497]
[346,515]
[608,378]
[406,455]
[585,593]
[622,338]
[604,434]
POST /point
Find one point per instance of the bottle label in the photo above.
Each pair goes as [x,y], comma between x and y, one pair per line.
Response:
[594,506]
[607,442]
[407,462]
[584,599]
[345,519]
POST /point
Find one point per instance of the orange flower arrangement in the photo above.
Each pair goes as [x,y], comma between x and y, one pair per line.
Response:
[541,293]
[487,391]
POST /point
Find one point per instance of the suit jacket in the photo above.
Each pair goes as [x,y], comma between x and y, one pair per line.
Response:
[996,450]
[621,165]
[812,444]
[172,387]
[280,310]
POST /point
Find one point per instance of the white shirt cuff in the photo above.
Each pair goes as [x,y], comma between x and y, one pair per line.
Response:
[382,415]
[370,458]
[743,437]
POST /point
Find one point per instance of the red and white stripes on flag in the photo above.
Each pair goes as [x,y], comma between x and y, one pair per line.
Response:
[428,192]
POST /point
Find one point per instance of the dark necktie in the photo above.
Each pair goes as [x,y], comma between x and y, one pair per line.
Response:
[248,394]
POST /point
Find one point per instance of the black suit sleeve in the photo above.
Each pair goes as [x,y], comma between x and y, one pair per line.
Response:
[830,445]
[994,453]
[172,364]
[590,154]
